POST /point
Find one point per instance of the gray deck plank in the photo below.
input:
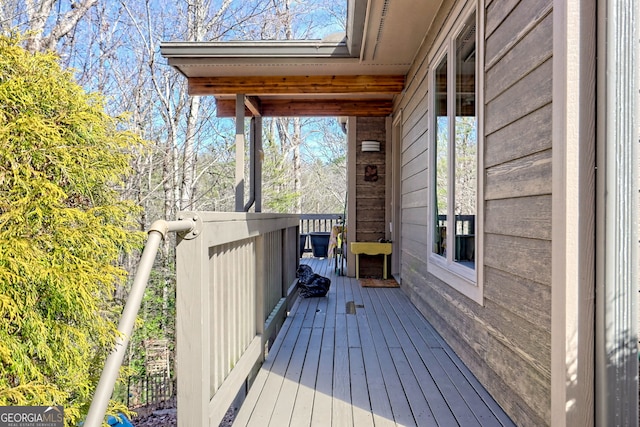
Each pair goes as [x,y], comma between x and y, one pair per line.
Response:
[275,376]
[418,403]
[416,399]
[497,412]
[333,298]
[321,311]
[487,402]
[242,418]
[303,405]
[475,410]
[322,402]
[353,333]
[383,365]
[310,315]
[341,383]
[289,389]
[393,387]
[378,397]
[361,407]
[341,297]
[378,308]
[345,284]
[443,398]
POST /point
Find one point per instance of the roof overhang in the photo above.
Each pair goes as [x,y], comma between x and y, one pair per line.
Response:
[356,74]
[256,49]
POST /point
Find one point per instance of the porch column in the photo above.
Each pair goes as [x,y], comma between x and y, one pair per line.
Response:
[259,157]
[573,214]
[240,142]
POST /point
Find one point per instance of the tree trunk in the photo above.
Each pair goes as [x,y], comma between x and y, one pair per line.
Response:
[190,156]
[38,13]
[297,164]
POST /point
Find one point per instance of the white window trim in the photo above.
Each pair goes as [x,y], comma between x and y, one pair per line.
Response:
[465,280]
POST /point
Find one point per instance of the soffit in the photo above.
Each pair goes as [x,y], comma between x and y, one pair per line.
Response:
[384,38]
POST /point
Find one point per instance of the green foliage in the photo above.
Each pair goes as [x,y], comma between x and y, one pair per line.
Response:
[62,229]
[466,166]
[157,318]
[442,165]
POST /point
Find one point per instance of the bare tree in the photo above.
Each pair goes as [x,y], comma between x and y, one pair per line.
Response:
[188,163]
[40,12]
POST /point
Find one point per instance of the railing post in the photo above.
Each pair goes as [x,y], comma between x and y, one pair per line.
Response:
[193,332]
[291,243]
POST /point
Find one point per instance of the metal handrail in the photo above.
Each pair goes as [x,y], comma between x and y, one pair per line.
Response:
[157,233]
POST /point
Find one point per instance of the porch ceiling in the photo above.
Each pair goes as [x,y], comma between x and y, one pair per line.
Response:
[359,74]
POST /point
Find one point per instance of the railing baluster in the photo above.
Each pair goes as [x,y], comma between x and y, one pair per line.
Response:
[244,270]
[233,269]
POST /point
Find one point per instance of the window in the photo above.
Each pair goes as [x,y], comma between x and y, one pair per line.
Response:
[454,159]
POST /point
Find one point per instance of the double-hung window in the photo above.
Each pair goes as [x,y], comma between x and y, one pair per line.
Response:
[454,160]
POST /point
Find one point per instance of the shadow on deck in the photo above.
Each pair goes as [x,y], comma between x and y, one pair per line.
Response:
[383,365]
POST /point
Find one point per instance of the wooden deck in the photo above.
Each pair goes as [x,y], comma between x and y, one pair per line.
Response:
[383,365]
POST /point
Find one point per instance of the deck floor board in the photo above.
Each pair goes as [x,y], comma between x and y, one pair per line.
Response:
[375,362]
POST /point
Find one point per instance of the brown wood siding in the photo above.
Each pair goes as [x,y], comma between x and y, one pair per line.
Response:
[370,201]
[506,342]
[517,250]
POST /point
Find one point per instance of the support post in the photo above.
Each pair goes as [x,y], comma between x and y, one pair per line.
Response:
[193,332]
[240,143]
[258,163]
[255,165]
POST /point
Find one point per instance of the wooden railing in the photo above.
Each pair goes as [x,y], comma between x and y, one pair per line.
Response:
[236,273]
[464,227]
[316,223]
[313,223]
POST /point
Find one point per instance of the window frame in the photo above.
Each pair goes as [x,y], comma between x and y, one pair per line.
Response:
[466,280]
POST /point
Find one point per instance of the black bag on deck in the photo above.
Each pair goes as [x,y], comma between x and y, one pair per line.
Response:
[304,273]
[311,284]
[318,286]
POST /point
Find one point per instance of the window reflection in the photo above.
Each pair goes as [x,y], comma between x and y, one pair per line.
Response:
[455,150]
[465,156]
[441,188]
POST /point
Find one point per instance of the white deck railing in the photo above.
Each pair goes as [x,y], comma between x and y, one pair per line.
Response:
[234,274]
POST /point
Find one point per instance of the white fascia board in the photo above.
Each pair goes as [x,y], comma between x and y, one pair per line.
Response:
[255,49]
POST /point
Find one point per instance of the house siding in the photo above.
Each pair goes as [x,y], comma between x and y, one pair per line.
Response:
[506,341]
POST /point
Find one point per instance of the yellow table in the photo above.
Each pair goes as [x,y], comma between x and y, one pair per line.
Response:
[371,248]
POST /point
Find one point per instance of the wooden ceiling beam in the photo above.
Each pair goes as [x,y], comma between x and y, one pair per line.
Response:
[287,85]
[312,108]
[254,105]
